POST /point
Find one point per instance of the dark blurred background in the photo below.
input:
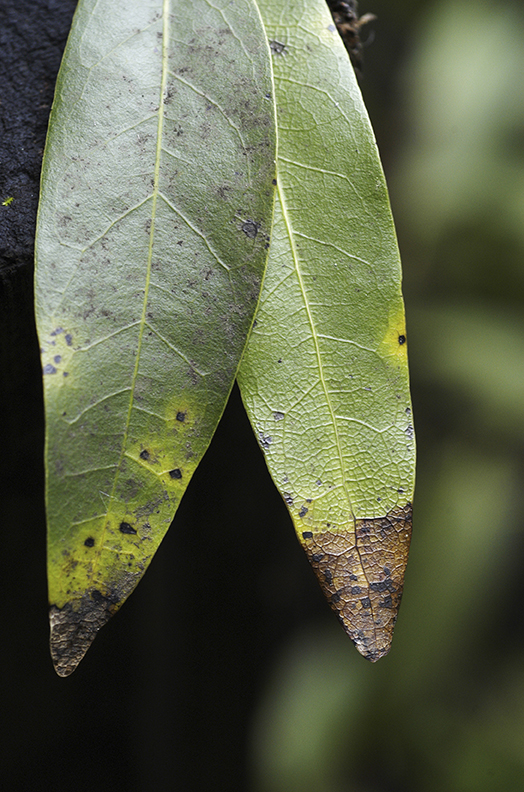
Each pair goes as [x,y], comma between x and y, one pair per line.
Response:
[226,670]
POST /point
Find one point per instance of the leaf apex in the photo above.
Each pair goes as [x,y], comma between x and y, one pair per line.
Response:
[361,573]
[74,628]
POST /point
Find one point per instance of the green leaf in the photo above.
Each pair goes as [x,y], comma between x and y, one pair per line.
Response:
[324,377]
[153,230]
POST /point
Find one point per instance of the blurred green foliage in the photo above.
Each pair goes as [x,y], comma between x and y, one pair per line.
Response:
[445,710]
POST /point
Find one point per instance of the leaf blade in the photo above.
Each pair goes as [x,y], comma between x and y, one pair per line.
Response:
[155,211]
[332,413]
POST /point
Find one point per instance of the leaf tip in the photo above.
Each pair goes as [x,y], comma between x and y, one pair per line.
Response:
[74,628]
[361,572]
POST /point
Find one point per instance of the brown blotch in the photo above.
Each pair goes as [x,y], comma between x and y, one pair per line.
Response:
[74,627]
[373,557]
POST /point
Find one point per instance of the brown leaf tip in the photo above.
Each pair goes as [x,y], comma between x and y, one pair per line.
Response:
[361,572]
[74,628]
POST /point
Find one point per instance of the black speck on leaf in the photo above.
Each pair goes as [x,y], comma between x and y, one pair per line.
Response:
[176,473]
[144,454]
[49,369]
[307,535]
[250,228]
[181,416]
[89,542]
[277,48]
[402,339]
[303,511]
[125,528]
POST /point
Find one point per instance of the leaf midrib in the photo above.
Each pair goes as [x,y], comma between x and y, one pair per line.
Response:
[314,336]
[156,190]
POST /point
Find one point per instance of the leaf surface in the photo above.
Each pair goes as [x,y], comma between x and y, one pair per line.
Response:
[153,230]
[324,377]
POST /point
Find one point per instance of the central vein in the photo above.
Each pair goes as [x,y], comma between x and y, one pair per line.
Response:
[154,199]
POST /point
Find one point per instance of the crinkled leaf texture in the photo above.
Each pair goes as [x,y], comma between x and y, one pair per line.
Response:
[324,377]
[154,222]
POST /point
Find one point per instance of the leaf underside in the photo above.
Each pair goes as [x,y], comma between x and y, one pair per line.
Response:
[152,239]
[324,377]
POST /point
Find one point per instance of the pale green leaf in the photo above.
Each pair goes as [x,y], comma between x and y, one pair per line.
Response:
[324,377]
[152,239]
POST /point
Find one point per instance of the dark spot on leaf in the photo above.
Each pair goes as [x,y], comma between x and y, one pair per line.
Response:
[125,528]
[278,416]
[366,602]
[387,602]
[144,454]
[328,576]
[277,48]
[89,542]
[176,473]
[57,331]
[335,597]
[97,596]
[57,358]
[265,441]
[181,416]
[381,586]
[317,557]
[274,181]
[402,339]
[387,571]
[288,498]
[303,511]
[250,228]
[49,369]
[307,534]
[356,590]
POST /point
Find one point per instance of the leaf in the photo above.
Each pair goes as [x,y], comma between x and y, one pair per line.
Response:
[153,230]
[324,377]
